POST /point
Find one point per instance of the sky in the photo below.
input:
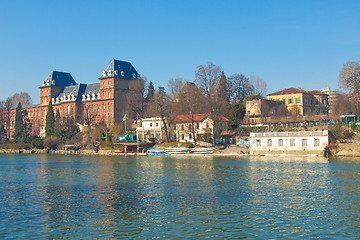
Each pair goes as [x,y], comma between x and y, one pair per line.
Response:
[287,43]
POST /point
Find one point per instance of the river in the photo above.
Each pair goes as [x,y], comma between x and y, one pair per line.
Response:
[92,197]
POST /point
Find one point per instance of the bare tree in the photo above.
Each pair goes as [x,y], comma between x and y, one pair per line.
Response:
[191,102]
[260,86]
[240,87]
[2,120]
[207,77]
[23,97]
[349,78]
[341,105]
[137,99]
[161,103]
[174,86]
[90,114]
[218,104]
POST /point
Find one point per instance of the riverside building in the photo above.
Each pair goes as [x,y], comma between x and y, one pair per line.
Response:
[104,101]
[305,142]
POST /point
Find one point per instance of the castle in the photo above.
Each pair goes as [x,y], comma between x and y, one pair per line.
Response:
[105,101]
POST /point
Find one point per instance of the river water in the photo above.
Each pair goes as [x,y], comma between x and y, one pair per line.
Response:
[88,197]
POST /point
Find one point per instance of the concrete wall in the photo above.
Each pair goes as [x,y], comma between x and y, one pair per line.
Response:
[306,142]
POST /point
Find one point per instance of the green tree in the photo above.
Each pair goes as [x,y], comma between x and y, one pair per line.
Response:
[22,125]
[150,92]
[50,121]
[223,87]
[66,130]
[237,114]
[254,97]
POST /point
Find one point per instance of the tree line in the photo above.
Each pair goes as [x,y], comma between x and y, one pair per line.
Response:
[211,92]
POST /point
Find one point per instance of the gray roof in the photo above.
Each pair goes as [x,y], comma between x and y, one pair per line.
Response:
[92,88]
[72,91]
[120,69]
[79,92]
[58,79]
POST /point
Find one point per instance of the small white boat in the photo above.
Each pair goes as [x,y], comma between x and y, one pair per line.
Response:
[202,150]
[176,150]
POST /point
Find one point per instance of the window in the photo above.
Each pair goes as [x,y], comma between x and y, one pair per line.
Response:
[197,125]
[290,100]
[109,94]
[207,125]
[174,126]
[190,126]
[190,136]
[292,142]
[258,143]
[316,142]
[281,142]
[304,142]
[150,124]
[297,100]
[157,124]
[269,142]
[182,136]
[109,108]
[182,126]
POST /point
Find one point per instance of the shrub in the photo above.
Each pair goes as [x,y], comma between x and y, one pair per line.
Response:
[189,145]
[51,143]
[37,142]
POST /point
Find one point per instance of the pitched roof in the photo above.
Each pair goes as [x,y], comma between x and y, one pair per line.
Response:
[316,92]
[288,91]
[58,79]
[120,69]
[197,118]
[78,93]
[92,88]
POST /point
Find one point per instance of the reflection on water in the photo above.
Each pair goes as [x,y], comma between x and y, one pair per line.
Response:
[60,197]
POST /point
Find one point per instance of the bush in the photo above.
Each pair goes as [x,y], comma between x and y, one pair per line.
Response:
[37,142]
[51,143]
[15,146]
[189,145]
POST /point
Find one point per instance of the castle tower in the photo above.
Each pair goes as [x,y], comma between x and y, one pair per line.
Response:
[53,84]
[115,85]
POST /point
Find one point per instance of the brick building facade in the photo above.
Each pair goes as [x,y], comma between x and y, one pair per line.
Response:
[105,101]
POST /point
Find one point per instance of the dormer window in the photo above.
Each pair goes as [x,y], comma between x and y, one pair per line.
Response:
[116,72]
[122,73]
[134,75]
[104,73]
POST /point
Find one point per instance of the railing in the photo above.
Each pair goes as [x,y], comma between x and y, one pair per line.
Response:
[283,134]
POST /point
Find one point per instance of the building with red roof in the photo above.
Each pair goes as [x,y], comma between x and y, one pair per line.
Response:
[202,124]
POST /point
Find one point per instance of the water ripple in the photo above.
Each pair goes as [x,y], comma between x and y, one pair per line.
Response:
[74,197]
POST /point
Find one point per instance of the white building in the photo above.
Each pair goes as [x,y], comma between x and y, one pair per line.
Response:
[305,142]
[152,128]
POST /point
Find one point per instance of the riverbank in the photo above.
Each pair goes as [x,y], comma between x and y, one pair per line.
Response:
[345,150]
[337,150]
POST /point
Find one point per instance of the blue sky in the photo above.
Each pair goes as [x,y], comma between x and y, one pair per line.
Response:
[287,43]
